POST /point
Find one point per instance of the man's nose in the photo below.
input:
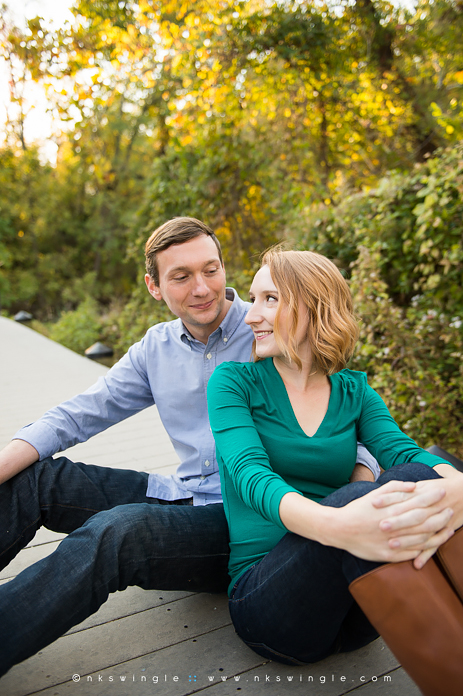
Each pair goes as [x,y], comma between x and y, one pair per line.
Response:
[200,286]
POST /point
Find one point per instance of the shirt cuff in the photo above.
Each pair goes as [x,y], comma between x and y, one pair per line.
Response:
[41,437]
[364,457]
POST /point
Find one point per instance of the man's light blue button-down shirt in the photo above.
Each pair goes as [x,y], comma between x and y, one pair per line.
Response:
[171,369]
[167,367]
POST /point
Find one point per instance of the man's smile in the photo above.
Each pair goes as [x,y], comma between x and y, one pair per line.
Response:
[204,305]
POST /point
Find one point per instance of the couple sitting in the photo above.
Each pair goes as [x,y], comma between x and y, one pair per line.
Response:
[286,429]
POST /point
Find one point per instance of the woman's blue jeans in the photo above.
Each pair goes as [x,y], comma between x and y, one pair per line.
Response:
[116,537]
[294,606]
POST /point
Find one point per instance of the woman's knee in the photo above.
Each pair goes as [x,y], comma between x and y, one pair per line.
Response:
[408,471]
[348,493]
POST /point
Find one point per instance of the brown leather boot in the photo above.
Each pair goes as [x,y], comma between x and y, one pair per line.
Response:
[450,557]
[420,617]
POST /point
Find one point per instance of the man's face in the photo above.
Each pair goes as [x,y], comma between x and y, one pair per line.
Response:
[192,284]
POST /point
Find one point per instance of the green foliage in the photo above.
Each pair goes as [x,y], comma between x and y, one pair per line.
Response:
[413,356]
[262,118]
[244,114]
[127,324]
[225,180]
[402,243]
[415,224]
[78,329]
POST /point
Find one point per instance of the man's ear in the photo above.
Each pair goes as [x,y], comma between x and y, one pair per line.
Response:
[153,289]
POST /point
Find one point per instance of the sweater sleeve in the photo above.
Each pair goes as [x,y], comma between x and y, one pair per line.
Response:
[239,447]
[384,439]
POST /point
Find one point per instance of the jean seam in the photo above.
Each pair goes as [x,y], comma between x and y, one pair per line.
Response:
[72,507]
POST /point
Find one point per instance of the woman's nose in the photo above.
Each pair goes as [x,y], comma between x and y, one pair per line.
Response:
[253,316]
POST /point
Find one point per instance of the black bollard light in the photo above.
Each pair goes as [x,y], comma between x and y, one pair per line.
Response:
[23,316]
[98,350]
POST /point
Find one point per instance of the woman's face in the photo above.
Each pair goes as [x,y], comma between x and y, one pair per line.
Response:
[261,317]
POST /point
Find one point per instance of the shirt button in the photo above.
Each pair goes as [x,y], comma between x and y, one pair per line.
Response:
[225,339]
[202,478]
[209,356]
[207,463]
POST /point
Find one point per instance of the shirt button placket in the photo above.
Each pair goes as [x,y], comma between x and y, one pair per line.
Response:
[209,447]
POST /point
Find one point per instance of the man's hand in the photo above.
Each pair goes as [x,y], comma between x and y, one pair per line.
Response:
[15,457]
[397,522]
[410,518]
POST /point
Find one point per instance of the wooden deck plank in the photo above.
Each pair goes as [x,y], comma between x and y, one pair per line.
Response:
[399,685]
[28,556]
[105,646]
[45,536]
[133,600]
[218,663]
[164,673]
[337,675]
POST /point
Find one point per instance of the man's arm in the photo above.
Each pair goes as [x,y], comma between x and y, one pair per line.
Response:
[122,392]
[366,468]
[15,457]
[362,472]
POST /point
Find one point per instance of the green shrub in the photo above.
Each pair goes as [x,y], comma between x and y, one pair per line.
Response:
[413,356]
[126,324]
[402,244]
[78,329]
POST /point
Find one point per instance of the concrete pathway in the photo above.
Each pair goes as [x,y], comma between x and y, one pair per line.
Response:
[169,643]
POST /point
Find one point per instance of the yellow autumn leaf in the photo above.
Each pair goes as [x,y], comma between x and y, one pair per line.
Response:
[177,60]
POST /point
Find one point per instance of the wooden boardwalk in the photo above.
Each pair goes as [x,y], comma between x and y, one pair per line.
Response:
[148,642]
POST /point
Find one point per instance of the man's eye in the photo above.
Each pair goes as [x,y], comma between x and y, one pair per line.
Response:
[183,277]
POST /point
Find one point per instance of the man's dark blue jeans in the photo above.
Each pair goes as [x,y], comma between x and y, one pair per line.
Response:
[294,606]
[116,537]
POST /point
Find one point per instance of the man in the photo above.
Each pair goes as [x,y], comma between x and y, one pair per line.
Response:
[125,527]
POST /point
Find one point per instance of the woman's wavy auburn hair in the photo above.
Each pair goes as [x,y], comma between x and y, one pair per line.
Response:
[314,279]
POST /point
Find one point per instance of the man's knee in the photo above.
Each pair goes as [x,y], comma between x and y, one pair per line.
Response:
[121,521]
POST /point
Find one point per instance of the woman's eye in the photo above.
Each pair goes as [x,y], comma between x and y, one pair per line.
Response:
[271,298]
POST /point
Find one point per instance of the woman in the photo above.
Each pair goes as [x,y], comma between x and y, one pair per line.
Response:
[286,428]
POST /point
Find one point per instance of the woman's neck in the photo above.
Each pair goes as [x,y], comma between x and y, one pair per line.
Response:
[301,379]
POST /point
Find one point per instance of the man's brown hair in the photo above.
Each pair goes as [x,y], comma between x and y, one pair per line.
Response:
[176,231]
